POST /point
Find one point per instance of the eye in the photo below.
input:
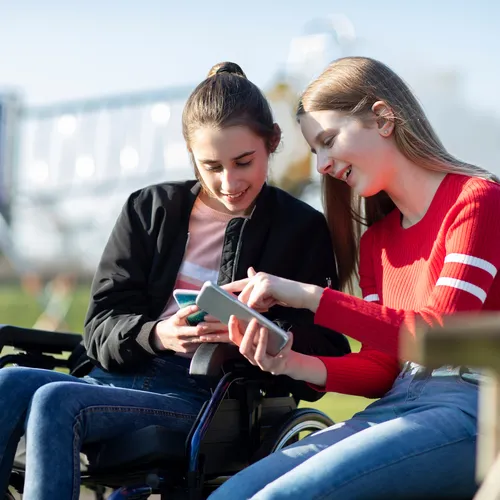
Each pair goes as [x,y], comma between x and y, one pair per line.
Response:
[214,169]
[244,164]
[328,142]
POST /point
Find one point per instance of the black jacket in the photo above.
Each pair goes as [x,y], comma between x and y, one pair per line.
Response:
[140,263]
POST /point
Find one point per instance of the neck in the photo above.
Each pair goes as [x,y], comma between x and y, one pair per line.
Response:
[412,190]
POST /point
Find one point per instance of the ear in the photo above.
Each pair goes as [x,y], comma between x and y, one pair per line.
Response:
[274,143]
[385,118]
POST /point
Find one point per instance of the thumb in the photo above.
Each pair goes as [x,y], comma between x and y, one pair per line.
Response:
[251,272]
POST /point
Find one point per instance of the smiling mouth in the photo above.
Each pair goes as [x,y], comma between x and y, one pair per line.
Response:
[344,174]
[235,196]
[347,173]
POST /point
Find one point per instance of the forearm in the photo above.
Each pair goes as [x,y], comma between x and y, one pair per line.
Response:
[309,338]
[119,342]
[306,368]
[369,373]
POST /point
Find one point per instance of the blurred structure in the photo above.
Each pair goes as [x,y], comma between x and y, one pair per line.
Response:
[291,166]
[77,164]
[9,122]
[321,41]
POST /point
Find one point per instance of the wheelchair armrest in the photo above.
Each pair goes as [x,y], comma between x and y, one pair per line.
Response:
[31,340]
[209,359]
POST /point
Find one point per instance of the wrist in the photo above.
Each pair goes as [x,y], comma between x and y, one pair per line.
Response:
[156,340]
[306,368]
[156,343]
[292,367]
[312,297]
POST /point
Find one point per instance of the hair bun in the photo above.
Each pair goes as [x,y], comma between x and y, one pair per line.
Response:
[226,67]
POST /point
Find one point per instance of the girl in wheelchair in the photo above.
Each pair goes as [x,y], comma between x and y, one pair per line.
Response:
[429,251]
[168,236]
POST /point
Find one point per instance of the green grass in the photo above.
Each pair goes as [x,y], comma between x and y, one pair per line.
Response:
[19,308]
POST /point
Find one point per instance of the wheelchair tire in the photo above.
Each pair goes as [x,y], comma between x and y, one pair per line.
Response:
[287,431]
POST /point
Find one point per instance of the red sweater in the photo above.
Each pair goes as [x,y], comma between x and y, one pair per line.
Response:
[444,264]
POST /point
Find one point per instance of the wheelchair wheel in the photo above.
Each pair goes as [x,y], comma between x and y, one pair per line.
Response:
[295,426]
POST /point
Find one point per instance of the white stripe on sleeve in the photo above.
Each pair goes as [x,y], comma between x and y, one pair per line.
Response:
[463,285]
[469,260]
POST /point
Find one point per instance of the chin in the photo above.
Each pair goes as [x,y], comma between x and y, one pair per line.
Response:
[234,209]
[366,191]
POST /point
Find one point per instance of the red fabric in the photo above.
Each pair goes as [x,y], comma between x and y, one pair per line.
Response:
[406,270]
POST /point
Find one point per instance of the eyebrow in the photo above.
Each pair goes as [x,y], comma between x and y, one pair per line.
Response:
[236,158]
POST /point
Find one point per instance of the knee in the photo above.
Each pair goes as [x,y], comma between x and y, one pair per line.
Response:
[52,396]
[16,381]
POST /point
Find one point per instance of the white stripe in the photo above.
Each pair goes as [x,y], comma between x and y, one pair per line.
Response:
[463,285]
[200,273]
[372,298]
[472,261]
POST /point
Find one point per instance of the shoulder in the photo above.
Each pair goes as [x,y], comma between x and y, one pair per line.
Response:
[164,194]
[474,195]
[476,189]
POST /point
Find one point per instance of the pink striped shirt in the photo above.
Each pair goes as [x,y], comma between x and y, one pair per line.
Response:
[207,228]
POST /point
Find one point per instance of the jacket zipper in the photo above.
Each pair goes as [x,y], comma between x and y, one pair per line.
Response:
[238,249]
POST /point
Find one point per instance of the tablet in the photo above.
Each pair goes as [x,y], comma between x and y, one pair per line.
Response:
[221,304]
[186,298]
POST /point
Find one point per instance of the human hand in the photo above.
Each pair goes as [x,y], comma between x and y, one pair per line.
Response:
[252,342]
[175,334]
[253,345]
[215,331]
[261,291]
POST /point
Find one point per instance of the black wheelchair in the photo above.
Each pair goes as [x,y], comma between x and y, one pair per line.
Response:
[249,415]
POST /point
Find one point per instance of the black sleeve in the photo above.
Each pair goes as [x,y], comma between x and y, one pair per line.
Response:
[117,325]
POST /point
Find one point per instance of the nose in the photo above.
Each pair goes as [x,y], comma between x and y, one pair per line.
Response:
[323,164]
[229,182]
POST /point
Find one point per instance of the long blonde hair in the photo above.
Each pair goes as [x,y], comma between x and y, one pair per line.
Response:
[352,85]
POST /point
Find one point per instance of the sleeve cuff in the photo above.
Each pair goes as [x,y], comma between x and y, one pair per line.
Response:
[145,338]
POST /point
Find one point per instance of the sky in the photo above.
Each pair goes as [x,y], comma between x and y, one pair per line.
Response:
[55,50]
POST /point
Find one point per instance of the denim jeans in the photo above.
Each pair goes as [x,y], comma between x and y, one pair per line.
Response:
[59,413]
[416,442]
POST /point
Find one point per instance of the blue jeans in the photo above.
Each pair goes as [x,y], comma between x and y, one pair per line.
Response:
[418,441]
[59,413]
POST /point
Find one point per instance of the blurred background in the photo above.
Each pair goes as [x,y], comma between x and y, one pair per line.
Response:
[91,95]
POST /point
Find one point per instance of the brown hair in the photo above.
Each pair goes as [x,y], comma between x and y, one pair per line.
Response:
[352,85]
[227,98]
